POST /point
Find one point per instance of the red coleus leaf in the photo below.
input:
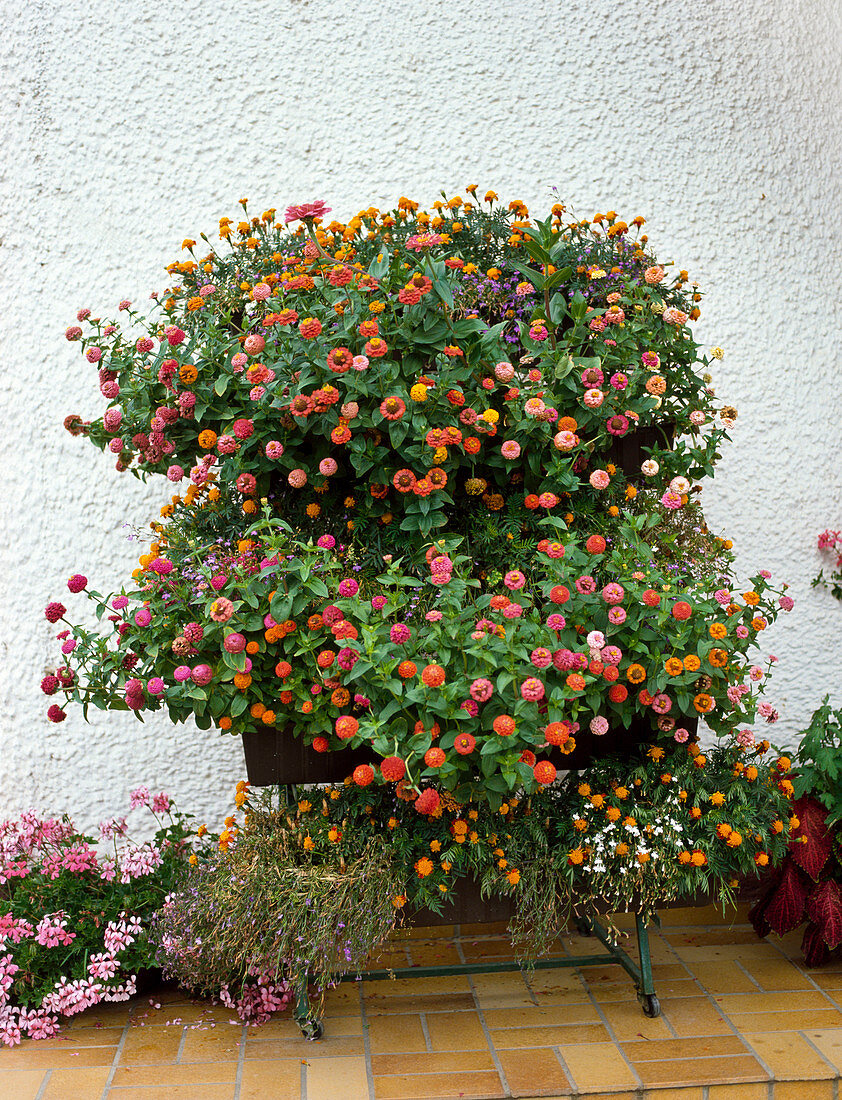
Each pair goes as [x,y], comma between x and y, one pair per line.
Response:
[757,913]
[812,842]
[814,948]
[824,907]
[785,909]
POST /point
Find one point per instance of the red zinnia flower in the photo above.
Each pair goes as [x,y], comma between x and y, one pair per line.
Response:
[376,348]
[404,481]
[544,772]
[392,408]
[465,744]
[433,675]
[363,775]
[393,769]
[681,610]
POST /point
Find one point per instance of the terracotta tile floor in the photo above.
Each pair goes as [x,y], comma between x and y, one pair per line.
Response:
[741,1020]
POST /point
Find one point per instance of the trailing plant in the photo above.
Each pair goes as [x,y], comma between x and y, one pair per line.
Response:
[313,886]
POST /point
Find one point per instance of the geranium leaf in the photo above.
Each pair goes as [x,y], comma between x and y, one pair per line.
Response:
[785,910]
[824,907]
[812,852]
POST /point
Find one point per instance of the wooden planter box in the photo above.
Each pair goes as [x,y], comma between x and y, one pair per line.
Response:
[275,756]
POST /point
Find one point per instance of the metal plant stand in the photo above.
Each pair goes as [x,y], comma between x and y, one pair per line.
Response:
[640,972]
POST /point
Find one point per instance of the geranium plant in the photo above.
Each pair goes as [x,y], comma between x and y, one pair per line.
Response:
[75,911]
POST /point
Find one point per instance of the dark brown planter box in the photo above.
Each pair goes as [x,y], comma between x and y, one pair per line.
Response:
[627,451]
[275,756]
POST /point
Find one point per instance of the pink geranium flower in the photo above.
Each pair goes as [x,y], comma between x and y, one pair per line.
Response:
[306,211]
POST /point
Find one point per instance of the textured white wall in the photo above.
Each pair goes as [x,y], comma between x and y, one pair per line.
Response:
[131,126]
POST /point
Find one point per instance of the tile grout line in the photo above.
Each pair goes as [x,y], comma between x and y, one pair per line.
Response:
[43,1086]
[241,1057]
[423,1017]
[116,1061]
[750,976]
[567,1072]
[803,973]
[824,1058]
[369,1072]
[640,1086]
[495,1057]
[302,1080]
[730,1023]
[181,1043]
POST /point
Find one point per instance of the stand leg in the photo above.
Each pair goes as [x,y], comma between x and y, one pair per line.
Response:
[646,987]
[302,1014]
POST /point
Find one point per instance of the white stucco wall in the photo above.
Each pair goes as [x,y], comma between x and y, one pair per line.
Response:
[128,126]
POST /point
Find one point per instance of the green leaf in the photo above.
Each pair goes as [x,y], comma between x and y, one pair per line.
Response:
[221,384]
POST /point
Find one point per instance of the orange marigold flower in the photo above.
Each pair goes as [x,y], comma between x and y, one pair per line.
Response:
[423,867]
[698,859]
[576,857]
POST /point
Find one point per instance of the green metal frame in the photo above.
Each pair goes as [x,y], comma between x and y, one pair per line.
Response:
[640,972]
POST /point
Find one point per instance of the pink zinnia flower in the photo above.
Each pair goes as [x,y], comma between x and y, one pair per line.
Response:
[512,611]
[565,441]
[326,542]
[681,735]
[481,690]
[600,479]
[221,610]
[433,616]
[510,449]
[348,587]
[400,633]
[532,690]
[593,398]
[297,478]
[599,726]
[274,449]
[613,592]
[585,585]
[556,621]
[514,580]
[616,615]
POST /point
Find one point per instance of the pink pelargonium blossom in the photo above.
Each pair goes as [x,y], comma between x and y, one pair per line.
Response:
[306,211]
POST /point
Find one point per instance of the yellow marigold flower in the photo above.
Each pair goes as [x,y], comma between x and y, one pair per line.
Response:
[717,798]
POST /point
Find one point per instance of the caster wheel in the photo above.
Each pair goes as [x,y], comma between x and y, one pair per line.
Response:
[311,1030]
[651,1005]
